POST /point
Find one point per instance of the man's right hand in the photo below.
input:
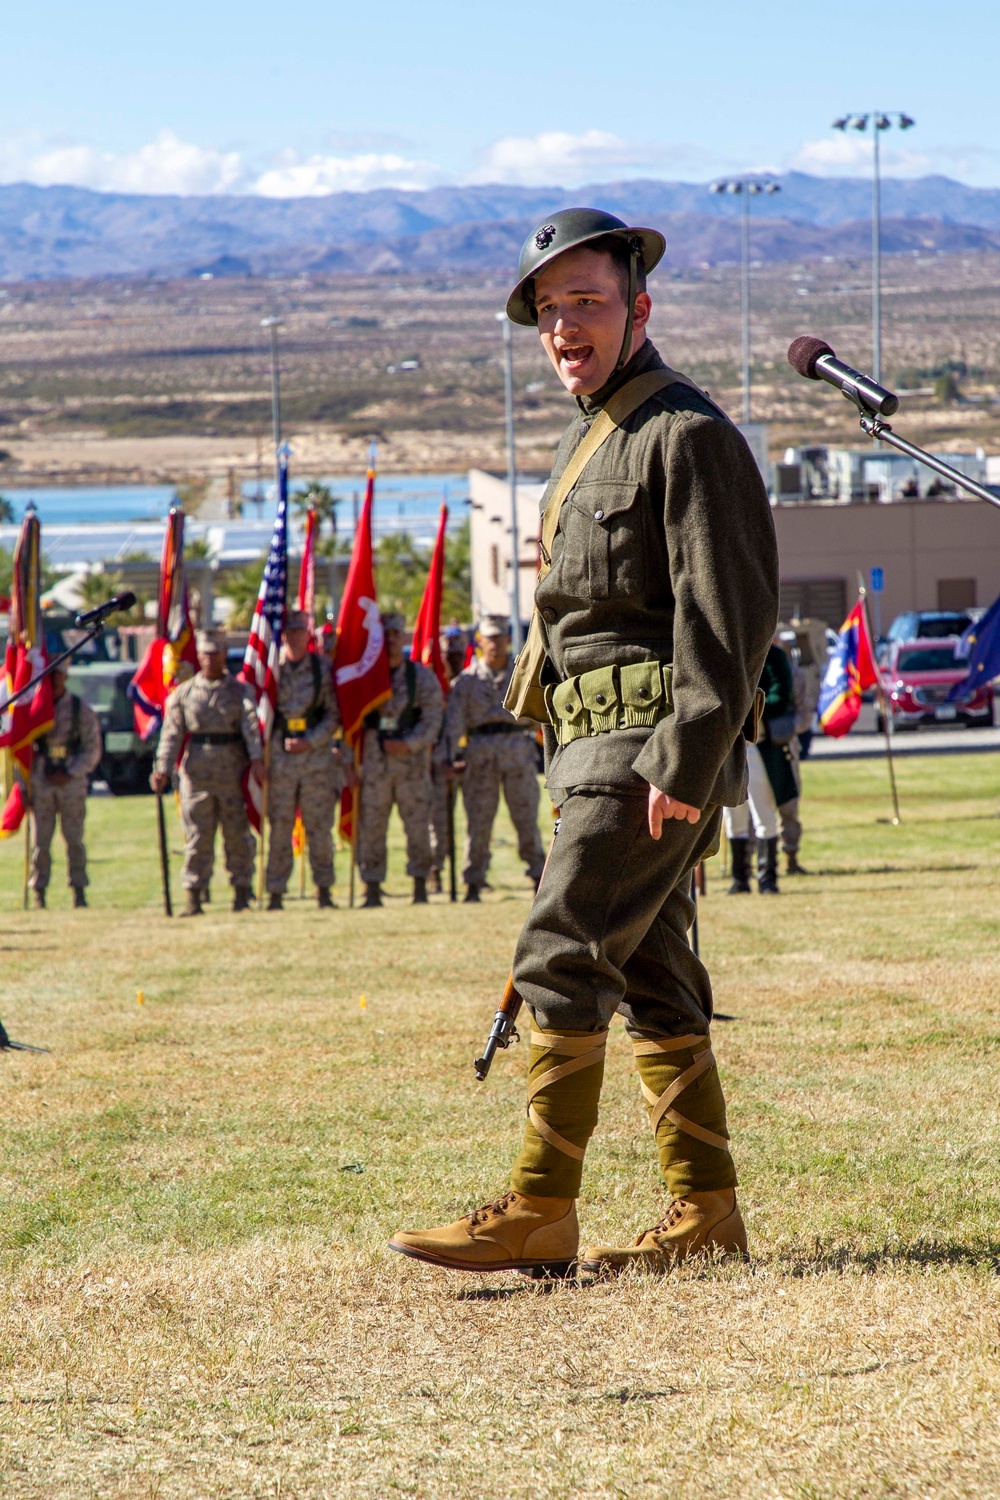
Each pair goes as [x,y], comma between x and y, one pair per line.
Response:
[159,781]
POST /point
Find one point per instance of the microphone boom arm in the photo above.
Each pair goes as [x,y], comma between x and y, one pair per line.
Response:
[877,428]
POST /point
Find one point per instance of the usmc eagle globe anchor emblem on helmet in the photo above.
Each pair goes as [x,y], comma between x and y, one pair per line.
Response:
[545,236]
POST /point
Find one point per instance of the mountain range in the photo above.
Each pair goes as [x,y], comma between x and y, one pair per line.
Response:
[58,232]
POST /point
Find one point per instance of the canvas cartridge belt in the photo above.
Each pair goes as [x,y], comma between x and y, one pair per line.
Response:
[207,737]
[637,696]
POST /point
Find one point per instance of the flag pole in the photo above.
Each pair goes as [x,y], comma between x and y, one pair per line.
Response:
[261,872]
[164,855]
[883,708]
[302,865]
[27,856]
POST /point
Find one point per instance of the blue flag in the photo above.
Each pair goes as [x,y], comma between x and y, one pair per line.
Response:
[980,647]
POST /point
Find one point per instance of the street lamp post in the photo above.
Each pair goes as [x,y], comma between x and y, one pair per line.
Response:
[272,325]
[515,549]
[745,188]
[878,121]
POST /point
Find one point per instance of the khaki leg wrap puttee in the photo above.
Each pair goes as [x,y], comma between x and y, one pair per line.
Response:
[693,1143]
[563,1097]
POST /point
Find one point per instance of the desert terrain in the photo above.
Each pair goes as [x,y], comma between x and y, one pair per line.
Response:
[146,381]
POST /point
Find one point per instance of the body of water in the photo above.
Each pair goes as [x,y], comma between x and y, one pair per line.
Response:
[69,506]
[403,502]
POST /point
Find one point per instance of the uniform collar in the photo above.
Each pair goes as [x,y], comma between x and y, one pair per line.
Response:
[645,358]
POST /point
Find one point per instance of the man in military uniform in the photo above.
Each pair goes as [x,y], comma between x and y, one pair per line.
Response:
[656,602]
[304,774]
[60,777]
[396,767]
[215,714]
[498,753]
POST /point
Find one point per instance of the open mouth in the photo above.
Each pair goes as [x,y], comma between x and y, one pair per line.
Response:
[573,357]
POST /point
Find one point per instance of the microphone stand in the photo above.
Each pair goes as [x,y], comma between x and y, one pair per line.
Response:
[91,633]
[877,427]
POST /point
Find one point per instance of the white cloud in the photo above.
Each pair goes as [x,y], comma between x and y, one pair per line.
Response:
[558,156]
[165,165]
[315,176]
[849,153]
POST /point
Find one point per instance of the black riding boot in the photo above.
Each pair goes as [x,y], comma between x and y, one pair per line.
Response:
[767,868]
[738,855]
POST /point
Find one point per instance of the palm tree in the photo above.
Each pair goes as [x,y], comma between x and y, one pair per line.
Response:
[7,516]
[94,588]
[241,586]
[321,499]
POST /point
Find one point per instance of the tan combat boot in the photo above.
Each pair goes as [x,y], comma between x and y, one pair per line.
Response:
[700,1224]
[517,1232]
[193,908]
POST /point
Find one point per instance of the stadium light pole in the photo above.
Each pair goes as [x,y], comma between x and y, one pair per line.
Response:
[272,325]
[515,547]
[877,121]
[745,188]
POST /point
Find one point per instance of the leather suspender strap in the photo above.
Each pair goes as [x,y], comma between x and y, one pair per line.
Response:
[619,408]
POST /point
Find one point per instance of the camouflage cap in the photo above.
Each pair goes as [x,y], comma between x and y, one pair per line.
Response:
[213,639]
[296,619]
[493,625]
[393,620]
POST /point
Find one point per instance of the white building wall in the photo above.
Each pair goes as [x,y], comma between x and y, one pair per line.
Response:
[490,540]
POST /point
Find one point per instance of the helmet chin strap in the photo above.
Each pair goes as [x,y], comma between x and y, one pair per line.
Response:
[635,249]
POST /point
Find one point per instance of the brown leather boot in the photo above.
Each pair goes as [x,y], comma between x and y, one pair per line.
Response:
[275,901]
[323,898]
[79,896]
[193,908]
[515,1233]
[373,893]
[700,1224]
[241,897]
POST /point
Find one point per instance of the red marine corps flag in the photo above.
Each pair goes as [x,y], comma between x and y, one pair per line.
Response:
[360,665]
[307,577]
[426,644]
[32,715]
[171,658]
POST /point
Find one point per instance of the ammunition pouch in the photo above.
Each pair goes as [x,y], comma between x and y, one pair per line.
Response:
[637,696]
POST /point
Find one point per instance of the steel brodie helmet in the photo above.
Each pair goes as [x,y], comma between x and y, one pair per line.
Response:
[570,229]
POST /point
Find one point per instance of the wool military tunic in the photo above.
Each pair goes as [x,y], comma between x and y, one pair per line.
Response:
[665,551]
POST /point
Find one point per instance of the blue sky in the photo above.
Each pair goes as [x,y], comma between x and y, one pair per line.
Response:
[308,97]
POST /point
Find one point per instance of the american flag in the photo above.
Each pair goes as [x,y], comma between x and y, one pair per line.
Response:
[260,664]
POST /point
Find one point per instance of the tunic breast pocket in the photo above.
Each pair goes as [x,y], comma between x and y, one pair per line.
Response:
[603,552]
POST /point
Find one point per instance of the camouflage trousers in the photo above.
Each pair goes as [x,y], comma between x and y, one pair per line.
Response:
[69,804]
[438,820]
[205,804]
[310,783]
[405,781]
[491,762]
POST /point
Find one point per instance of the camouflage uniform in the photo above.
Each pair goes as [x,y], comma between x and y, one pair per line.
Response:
[498,753]
[220,721]
[311,781]
[73,744]
[403,779]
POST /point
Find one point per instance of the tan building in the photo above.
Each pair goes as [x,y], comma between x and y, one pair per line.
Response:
[934,554]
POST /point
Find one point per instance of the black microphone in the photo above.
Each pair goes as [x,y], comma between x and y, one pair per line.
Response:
[816,361]
[113,606]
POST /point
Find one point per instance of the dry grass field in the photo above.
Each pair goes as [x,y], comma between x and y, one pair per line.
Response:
[144,380]
[196,1296]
